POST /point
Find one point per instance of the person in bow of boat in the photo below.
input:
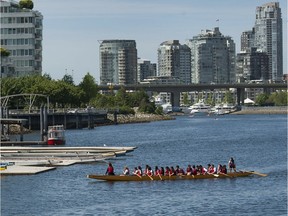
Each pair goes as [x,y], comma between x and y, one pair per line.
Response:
[232,164]
[110,170]
[126,171]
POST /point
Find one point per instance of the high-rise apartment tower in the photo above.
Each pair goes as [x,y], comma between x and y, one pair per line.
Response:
[268,37]
[212,57]
[174,60]
[118,62]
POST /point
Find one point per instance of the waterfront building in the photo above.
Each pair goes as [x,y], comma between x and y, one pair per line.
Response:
[118,62]
[268,37]
[252,65]
[145,69]
[21,35]
[174,60]
[212,57]
[247,40]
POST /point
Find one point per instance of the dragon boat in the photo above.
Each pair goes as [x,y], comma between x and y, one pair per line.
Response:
[173,177]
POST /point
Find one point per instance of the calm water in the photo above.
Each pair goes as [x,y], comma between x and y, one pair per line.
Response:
[257,142]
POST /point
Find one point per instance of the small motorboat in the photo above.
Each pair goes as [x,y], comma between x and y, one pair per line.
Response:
[56,135]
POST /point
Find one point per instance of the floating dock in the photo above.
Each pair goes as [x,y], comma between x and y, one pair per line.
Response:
[27,160]
[24,170]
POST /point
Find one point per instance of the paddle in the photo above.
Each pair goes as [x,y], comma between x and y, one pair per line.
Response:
[257,173]
[216,175]
[150,177]
[138,175]
[226,175]
[160,176]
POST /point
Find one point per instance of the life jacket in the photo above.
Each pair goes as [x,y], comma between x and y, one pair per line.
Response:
[171,172]
[158,172]
[110,170]
[203,171]
[194,171]
[181,172]
[138,172]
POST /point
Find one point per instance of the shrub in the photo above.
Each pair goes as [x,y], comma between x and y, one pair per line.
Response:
[26,4]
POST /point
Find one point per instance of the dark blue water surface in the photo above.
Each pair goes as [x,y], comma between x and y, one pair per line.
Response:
[257,142]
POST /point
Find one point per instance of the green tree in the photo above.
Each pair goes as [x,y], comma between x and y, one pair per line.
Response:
[261,99]
[89,87]
[228,98]
[210,99]
[47,76]
[104,101]
[278,98]
[26,4]
[68,79]
[4,52]
[121,97]
[147,107]
[185,99]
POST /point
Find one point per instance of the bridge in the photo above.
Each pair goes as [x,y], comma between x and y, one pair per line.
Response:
[176,89]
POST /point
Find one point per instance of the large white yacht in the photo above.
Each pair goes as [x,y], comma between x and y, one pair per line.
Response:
[200,108]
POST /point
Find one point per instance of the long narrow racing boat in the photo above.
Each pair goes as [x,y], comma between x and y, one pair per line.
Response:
[174,177]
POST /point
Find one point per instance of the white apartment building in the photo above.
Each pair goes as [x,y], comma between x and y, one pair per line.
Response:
[212,57]
[174,60]
[118,62]
[21,35]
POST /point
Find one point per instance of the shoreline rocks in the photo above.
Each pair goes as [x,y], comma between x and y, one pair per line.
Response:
[139,118]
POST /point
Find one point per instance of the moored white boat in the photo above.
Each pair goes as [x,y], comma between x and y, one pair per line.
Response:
[200,108]
[224,109]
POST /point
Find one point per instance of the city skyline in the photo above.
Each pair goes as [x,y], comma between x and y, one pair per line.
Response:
[75,29]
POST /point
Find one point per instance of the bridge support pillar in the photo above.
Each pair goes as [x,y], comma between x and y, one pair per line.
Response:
[175,100]
[240,96]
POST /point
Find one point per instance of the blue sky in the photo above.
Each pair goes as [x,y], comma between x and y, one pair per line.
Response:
[73,29]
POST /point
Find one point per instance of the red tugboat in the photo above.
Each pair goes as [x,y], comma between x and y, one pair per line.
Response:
[56,135]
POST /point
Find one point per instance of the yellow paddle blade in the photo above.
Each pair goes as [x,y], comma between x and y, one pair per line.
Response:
[260,174]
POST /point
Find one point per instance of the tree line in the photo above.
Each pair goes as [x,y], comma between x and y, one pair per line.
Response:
[65,94]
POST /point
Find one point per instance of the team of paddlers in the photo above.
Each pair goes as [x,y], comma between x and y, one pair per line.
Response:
[170,171]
